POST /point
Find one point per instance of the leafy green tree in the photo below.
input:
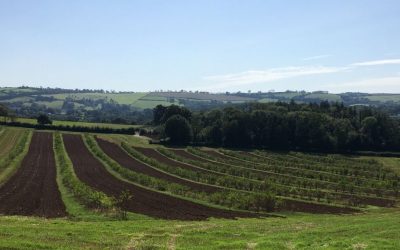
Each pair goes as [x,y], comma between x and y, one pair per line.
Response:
[43,119]
[178,130]
[4,112]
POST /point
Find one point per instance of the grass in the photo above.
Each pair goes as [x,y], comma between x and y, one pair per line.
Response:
[392,163]
[327,97]
[8,139]
[11,163]
[378,229]
[120,98]
[81,124]
[384,98]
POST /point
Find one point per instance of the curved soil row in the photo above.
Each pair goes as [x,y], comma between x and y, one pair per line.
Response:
[33,189]
[300,206]
[293,205]
[219,155]
[152,153]
[90,171]
[116,153]
[183,153]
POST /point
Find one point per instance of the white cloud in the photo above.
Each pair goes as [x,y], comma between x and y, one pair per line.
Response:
[316,57]
[374,85]
[229,81]
[377,62]
[263,76]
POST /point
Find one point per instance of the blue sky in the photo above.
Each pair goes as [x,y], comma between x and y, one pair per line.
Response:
[217,46]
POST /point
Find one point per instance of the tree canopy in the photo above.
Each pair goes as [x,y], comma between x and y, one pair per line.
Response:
[43,119]
[324,126]
[178,130]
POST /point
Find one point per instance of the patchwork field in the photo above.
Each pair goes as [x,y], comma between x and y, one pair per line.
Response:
[144,196]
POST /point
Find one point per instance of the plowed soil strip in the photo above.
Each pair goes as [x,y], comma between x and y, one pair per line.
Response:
[90,171]
[33,189]
[183,153]
[116,153]
[218,155]
[152,153]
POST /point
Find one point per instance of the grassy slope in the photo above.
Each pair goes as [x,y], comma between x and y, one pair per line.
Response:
[390,162]
[383,98]
[375,230]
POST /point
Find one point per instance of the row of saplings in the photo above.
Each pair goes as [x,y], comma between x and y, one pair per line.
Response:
[97,200]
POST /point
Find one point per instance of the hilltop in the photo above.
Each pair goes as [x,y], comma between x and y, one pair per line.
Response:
[128,107]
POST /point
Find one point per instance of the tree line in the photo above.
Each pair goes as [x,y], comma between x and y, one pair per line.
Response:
[315,126]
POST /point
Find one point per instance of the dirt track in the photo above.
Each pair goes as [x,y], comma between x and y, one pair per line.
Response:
[33,190]
[90,171]
[116,153]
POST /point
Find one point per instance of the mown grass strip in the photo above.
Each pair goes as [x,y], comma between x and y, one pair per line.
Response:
[10,164]
[89,197]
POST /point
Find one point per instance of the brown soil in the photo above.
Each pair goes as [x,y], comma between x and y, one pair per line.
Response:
[183,153]
[116,153]
[90,171]
[152,153]
[216,154]
[299,206]
[33,190]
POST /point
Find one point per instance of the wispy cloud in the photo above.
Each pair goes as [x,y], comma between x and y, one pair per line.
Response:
[377,62]
[316,57]
[376,85]
[264,76]
[223,82]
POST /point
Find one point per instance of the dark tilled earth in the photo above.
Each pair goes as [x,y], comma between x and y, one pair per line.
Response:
[116,153]
[90,171]
[33,190]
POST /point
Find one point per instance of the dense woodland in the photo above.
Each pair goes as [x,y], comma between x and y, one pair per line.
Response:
[324,126]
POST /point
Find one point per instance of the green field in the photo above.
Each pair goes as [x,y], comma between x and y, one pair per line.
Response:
[121,98]
[325,97]
[384,98]
[372,227]
[374,230]
[81,124]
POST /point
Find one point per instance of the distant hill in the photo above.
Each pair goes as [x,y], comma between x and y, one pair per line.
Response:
[85,104]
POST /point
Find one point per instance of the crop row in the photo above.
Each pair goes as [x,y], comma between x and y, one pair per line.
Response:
[344,166]
[83,193]
[388,186]
[286,179]
[250,183]
[10,162]
[231,198]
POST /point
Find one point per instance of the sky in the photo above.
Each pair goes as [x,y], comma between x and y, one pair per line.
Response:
[207,45]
